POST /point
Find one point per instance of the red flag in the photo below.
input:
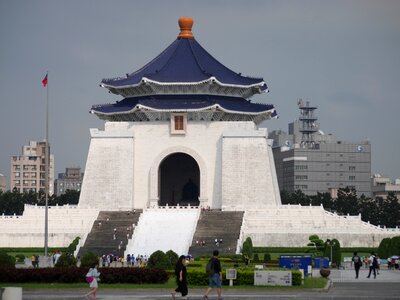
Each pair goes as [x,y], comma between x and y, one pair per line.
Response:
[44,81]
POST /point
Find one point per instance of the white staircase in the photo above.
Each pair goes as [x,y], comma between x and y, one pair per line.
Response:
[164,228]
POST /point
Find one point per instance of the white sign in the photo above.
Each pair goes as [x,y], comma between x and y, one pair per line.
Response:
[281,278]
[231,273]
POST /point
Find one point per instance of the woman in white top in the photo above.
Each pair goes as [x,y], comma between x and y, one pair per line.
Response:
[93,284]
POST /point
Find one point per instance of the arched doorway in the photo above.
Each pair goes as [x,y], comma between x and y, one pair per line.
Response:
[179,176]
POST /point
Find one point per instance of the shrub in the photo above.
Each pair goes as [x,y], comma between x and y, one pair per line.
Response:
[173,257]
[20,257]
[267,257]
[247,248]
[395,245]
[256,258]
[159,260]
[7,261]
[70,275]
[89,259]
[384,248]
[66,260]
[296,277]
[336,252]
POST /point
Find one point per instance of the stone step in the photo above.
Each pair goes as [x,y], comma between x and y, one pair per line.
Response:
[100,239]
[217,225]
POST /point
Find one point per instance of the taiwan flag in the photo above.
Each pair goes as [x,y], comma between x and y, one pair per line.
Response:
[44,81]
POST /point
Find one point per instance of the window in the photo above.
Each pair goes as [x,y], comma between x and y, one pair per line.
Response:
[26,167]
[352,177]
[352,168]
[17,167]
[301,167]
[178,123]
[301,177]
[17,174]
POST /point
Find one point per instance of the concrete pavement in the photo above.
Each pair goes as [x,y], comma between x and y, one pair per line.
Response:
[343,286]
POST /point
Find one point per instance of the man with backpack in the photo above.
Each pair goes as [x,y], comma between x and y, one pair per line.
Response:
[357,263]
[372,265]
[214,272]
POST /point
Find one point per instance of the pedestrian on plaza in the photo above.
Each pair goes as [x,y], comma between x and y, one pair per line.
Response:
[378,264]
[214,271]
[92,277]
[372,265]
[357,263]
[180,272]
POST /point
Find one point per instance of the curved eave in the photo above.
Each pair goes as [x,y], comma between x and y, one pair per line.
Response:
[210,86]
[214,107]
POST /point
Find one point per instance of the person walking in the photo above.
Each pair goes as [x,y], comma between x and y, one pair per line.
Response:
[180,272]
[357,263]
[372,265]
[92,277]
[214,271]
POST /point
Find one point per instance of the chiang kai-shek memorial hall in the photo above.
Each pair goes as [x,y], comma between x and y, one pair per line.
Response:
[182,159]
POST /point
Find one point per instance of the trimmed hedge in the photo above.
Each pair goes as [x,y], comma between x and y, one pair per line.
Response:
[73,275]
[244,277]
[285,250]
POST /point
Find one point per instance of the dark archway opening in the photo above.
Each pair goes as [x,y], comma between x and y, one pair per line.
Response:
[179,176]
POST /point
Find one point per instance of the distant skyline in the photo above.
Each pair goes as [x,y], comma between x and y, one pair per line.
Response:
[342,56]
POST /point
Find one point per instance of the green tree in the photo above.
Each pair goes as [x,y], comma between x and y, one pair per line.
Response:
[66,260]
[369,210]
[159,260]
[173,257]
[89,259]
[247,248]
[69,197]
[322,198]
[346,201]
[395,245]
[333,247]
[317,245]
[390,211]
[384,248]
[7,261]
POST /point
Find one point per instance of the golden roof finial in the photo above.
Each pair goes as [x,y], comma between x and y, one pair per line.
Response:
[185,23]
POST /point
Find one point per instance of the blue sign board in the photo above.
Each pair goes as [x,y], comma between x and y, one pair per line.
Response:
[295,262]
[321,262]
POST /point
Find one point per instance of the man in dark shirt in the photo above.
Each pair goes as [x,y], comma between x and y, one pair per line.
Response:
[215,276]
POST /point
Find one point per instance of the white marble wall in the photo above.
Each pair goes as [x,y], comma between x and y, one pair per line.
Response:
[248,179]
[291,226]
[65,223]
[124,159]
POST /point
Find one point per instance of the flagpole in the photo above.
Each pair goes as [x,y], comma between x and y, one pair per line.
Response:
[47,150]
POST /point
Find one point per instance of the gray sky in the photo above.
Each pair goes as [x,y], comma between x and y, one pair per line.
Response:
[343,56]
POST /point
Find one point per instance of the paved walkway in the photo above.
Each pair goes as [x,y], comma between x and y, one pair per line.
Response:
[343,286]
[350,276]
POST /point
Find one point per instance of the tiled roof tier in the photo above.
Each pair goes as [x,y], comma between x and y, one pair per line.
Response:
[221,108]
[184,62]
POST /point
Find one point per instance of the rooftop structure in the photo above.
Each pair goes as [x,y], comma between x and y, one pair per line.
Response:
[381,186]
[185,78]
[309,160]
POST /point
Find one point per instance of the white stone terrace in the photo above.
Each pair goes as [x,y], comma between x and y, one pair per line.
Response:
[65,223]
[291,225]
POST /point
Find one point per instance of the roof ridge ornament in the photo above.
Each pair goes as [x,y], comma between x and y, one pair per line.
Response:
[185,24]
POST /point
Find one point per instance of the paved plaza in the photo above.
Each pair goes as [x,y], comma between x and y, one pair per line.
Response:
[343,285]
